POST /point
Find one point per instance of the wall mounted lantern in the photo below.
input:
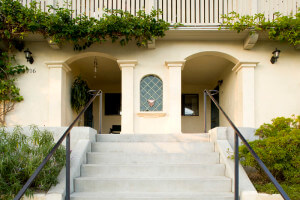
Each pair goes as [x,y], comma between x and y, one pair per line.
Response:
[275,56]
[28,56]
[95,67]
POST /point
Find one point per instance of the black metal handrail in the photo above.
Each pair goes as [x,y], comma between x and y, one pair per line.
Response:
[65,135]
[238,135]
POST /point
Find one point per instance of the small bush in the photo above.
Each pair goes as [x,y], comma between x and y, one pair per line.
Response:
[20,155]
[279,149]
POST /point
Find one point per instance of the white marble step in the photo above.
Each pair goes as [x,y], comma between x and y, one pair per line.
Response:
[184,185]
[152,170]
[149,196]
[150,158]
[198,137]
[153,147]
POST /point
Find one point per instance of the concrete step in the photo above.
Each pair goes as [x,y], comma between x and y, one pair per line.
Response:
[149,196]
[152,171]
[206,184]
[153,147]
[153,137]
[147,158]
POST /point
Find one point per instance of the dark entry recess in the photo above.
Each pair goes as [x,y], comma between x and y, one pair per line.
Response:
[88,117]
[215,121]
[113,104]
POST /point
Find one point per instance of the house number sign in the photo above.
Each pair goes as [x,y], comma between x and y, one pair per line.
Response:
[32,70]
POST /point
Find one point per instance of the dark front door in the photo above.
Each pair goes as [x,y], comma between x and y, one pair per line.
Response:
[88,117]
[215,111]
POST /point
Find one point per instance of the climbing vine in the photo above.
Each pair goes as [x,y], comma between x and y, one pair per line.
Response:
[282,28]
[16,21]
[59,25]
[9,92]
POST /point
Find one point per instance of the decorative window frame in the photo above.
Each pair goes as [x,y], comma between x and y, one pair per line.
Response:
[151,113]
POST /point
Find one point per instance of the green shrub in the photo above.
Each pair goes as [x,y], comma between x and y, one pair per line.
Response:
[279,149]
[20,155]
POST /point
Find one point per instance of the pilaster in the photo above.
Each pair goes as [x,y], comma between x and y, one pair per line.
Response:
[175,68]
[57,92]
[127,122]
[245,113]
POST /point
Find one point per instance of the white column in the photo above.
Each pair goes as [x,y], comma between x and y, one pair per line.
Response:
[175,68]
[127,67]
[245,113]
[57,92]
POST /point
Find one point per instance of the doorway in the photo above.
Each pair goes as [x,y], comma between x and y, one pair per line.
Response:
[214,117]
[88,117]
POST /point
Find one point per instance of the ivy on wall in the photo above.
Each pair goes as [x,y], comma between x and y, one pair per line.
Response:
[58,24]
[282,28]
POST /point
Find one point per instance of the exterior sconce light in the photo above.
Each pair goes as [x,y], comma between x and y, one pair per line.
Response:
[220,82]
[28,56]
[275,56]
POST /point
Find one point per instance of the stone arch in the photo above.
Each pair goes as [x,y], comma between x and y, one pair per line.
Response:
[214,53]
[150,75]
[73,58]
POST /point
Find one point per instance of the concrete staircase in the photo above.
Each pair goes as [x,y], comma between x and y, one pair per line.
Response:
[161,167]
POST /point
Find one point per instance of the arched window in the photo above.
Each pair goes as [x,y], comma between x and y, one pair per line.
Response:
[151,93]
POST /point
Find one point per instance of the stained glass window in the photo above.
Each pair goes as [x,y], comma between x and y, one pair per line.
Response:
[151,92]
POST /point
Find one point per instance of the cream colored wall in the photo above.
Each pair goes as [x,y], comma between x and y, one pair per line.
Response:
[146,66]
[276,86]
[195,124]
[69,115]
[228,96]
[34,88]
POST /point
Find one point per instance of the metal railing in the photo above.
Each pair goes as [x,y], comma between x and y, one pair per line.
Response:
[238,135]
[67,136]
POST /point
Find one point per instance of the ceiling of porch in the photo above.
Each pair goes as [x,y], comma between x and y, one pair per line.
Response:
[204,70]
[108,71]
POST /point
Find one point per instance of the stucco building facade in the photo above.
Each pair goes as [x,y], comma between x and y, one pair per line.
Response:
[186,61]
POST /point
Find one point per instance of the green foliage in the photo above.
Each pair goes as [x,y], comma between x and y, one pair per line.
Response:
[282,28]
[58,24]
[278,148]
[20,155]
[9,92]
[292,190]
[279,126]
[79,94]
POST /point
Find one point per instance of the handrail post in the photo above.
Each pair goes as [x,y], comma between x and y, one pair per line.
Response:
[205,128]
[236,166]
[100,110]
[68,167]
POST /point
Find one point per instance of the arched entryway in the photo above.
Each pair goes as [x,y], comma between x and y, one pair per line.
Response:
[102,72]
[213,71]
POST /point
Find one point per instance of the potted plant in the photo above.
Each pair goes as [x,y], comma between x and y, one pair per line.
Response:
[79,94]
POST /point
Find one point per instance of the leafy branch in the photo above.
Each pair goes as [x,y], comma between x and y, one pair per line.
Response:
[9,92]
[59,25]
[282,28]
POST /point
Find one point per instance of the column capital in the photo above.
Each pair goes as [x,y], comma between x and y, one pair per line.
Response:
[175,63]
[58,64]
[244,64]
[127,63]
